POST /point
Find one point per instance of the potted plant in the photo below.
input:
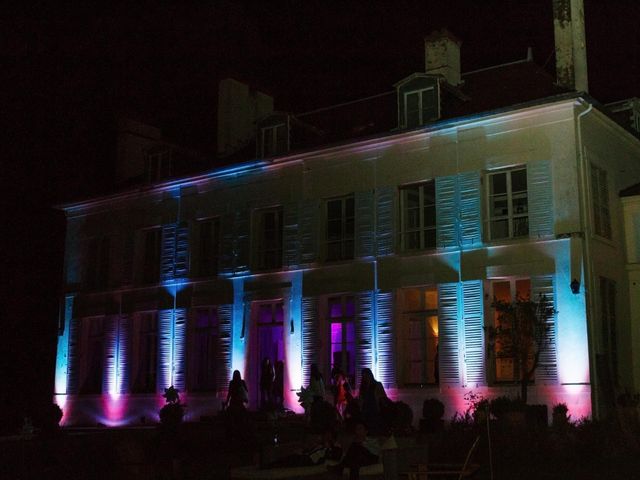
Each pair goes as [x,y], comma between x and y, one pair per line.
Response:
[432,413]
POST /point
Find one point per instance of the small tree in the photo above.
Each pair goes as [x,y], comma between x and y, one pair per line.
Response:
[522,332]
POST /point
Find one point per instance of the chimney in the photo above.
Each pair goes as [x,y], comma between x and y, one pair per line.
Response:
[442,55]
[238,109]
[571,51]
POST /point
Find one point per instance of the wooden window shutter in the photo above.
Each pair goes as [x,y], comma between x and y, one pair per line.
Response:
[242,244]
[448,348]
[385,337]
[224,346]
[290,240]
[474,348]
[110,362]
[446,211]
[124,354]
[168,255]
[182,251]
[547,371]
[73,370]
[364,333]
[310,336]
[179,349]
[227,258]
[308,221]
[384,235]
[470,208]
[540,198]
[364,223]
[165,347]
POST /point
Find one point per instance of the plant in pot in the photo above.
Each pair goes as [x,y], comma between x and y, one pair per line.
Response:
[432,413]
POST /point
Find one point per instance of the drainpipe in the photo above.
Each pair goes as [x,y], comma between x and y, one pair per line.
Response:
[585,227]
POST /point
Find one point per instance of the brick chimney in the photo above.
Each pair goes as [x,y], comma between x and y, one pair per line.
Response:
[238,109]
[570,40]
[442,55]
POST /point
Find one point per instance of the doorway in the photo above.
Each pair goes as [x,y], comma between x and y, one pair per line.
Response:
[269,341]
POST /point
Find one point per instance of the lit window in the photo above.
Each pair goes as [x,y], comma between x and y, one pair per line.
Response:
[600,198]
[145,353]
[208,247]
[418,218]
[419,308]
[274,140]
[204,351]
[268,238]
[340,229]
[506,363]
[92,341]
[343,335]
[151,255]
[508,204]
[419,107]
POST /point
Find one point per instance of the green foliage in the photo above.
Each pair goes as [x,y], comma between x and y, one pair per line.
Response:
[500,406]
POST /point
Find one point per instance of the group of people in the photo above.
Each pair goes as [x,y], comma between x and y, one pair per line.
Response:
[271,384]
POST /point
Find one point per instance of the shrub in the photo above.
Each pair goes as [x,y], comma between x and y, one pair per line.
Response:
[559,415]
[171,415]
[432,409]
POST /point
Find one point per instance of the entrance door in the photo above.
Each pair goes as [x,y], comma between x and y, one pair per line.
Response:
[270,344]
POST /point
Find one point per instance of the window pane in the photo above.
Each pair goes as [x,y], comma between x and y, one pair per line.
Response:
[519,181]
[431,299]
[335,307]
[412,301]
[500,229]
[498,183]
[500,206]
[519,203]
[430,216]
[412,109]
[523,289]
[430,238]
[413,241]
[521,227]
[334,209]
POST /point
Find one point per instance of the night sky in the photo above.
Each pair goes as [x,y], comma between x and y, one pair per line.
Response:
[69,73]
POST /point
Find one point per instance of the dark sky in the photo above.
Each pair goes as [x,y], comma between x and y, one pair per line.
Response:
[68,73]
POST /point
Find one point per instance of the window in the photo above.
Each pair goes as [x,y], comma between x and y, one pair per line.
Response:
[145,353]
[418,216]
[420,107]
[204,351]
[97,263]
[275,140]
[343,335]
[93,356]
[340,228]
[420,335]
[608,319]
[268,238]
[506,364]
[151,255]
[508,204]
[158,165]
[208,256]
[600,198]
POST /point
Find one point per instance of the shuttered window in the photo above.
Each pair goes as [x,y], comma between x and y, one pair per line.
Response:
[508,204]
[600,202]
[418,216]
[92,357]
[340,228]
[268,238]
[151,255]
[420,331]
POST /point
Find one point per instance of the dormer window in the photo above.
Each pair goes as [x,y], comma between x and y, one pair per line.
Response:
[273,135]
[419,107]
[158,165]
[418,100]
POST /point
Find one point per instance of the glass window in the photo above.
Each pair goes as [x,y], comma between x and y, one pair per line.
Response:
[420,106]
[508,204]
[508,290]
[204,351]
[208,232]
[340,228]
[274,140]
[145,353]
[268,238]
[418,216]
[420,343]
[93,356]
[151,255]
[343,335]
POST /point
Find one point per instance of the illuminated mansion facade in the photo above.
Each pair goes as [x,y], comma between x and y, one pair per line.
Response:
[382,252]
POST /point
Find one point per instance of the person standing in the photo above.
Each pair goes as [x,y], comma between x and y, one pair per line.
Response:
[266,383]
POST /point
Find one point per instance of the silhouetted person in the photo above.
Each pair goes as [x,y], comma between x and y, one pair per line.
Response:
[278,386]
[266,382]
[236,412]
[363,451]
[372,399]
